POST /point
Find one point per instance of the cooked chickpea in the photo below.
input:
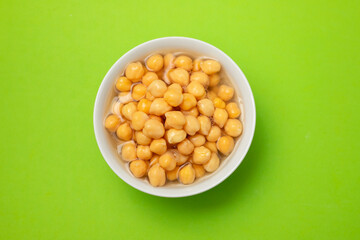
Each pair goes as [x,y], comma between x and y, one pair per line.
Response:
[213,163]
[128,110]
[155,63]
[185,147]
[141,138]
[172,175]
[201,155]
[159,107]
[210,66]
[173,97]
[219,103]
[149,77]
[201,78]
[206,107]
[193,112]
[187,174]
[138,168]
[189,101]
[225,145]
[144,105]
[157,88]
[157,118]
[214,80]
[175,119]
[174,136]
[153,129]
[134,71]
[211,146]
[225,92]
[197,140]
[183,62]
[123,84]
[196,65]
[233,127]
[169,60]
[138,120]
[125,97]
[199,170]
[124,132]
[233,110]
[154,160]
[158,146]
[128,151]
[112,122]
[167,161]
[176,86]
[196,89]
[148,96]
[205,125]
[192,125]
[220,117]
[214,134]
[180,76]
[179,158]
[138,92]
[143,152]
[211,95]
[157,176]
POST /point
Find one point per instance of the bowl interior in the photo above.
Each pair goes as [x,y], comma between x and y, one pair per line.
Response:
[106,93]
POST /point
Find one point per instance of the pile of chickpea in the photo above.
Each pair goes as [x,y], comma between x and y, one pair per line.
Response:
[172,118]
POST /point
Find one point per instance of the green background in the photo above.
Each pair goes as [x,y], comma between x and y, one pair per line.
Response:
[300,179]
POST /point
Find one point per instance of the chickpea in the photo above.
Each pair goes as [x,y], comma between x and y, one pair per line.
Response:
[206,107]
[167,161]
[128,110]
[210,66]
[205,125]
[125,97]
[179,158]
[144,105]
[138,120]
[172,175]
[192,112]
[173,97]
[180,76]
[220,117]
[123,84]
[159,107]
[183,62]
[149,77]
[233,127]
[201,155]
[213,163]
[200,77]
[128,151]
[175,119]
[196,65]
[138,92]
[134,71]
[138,168]
[141,138]
[169,60]
[192,125]
[124,132]
[112,122]
[225,145]
[211,95]
[185,147]
[225,92]
[233,110]
[148,96]
[189,101]
[155,62]
[214,134]
[214,80]
[158,146]
[219,103]
[199,170]
[211,146]
[187,174]
[176,86]
[157,176]
[196,89]
[157,88]
[154,160]
[174,136]
[198,140]
[143,152]
[157,118]
[153,129]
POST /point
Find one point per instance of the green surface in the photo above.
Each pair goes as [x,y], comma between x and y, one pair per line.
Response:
[300,179]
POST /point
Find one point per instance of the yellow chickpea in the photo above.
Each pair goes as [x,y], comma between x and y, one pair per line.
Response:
[174,136]
[192,112]
[185,147]
[156,118]
[143,152]
[125,97]
[172,175]
[206,107]
[123,84]
[159,107]
[201,78]
[233,110]
[205,125]
[187,174]
[219,103]
[124,132]
[197,140]
[141,138]
[154,160]
[183,62]
[189,101]
[192,125]
[196,89]
[211,95]
[214,80]
[134,71]
[210,66]
[225,145]
[176,86]
[128,110]
[128,151]
[138,168]
[211,146]
[214,134]
[155,63]
[199,170]
[179,158]
[158,146]
[196,65]
[138,120]
[167,161]
[220,117]
[225,92]
[153,129]
[157,88]
[213,163]
[157,176]
[148,96]
[112,122]
[169,60]
[144,105]
[149,77]
[138,92]
[201,155]
[180,76]
[175,119]
[173,97]
[233,127]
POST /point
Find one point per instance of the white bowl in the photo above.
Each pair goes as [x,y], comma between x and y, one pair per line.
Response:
[105,95]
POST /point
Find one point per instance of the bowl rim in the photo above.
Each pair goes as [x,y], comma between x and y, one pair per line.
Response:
[209,186]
